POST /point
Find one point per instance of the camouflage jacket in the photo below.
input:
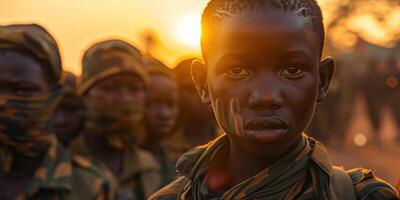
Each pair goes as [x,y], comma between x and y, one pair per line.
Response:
[141,175]
[61,177]
[364,184]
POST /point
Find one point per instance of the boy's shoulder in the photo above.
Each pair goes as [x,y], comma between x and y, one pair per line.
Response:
[172,191]
[369,187]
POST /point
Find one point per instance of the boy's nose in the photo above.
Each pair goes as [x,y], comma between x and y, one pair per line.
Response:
[266,95]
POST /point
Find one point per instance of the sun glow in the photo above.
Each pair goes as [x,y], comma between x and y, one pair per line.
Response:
[189,30]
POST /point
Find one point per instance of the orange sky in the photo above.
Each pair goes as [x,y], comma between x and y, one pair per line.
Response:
[77,24]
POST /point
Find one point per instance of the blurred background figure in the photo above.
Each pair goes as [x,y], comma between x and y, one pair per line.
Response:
[161,116]
[374,88]
[114,91]
[341,96]
[68,118]
[393,83]
[33,165]
[197,122]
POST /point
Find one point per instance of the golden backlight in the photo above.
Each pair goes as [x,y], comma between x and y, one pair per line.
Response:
[189,30]
[77,24]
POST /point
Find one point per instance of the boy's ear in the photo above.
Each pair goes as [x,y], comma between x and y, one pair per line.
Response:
[199,75]
[326,72]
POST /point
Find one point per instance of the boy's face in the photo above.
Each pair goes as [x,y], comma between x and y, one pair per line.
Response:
[21,75]
[67,118]
[264,76]
[118,88]
[162,106]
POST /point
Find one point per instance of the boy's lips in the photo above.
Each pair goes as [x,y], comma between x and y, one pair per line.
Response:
[266,128]
[262,123]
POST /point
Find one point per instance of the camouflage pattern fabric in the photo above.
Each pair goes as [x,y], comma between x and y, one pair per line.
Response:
[35,40]
[285,179]
[98,64]
[369,187]
[22,125]
[140,177]
[60,177]
[118,122]
[122,131]
[22,120]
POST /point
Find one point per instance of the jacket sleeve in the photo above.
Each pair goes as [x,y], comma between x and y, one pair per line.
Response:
[369,187]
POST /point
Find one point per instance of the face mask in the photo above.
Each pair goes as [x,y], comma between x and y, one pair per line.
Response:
[117,122]
[23,123]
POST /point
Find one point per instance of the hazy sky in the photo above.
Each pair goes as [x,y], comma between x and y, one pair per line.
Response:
[77,24]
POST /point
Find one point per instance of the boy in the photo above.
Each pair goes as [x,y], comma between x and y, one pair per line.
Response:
[161,116]
[33,165]
[114,91]
[263,76]
[67,120]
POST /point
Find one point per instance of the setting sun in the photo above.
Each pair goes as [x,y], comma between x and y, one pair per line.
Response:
[189,30]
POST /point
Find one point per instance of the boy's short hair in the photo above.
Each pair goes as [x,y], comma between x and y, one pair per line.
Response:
[216,10]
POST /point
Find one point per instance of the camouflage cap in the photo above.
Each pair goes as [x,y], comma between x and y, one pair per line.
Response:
[155,66]
[97,63]
[35,40]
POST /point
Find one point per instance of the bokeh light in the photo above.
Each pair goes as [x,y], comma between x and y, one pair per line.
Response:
[360,139]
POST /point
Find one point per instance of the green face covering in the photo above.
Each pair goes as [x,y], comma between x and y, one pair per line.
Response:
[23,125]
[117,122]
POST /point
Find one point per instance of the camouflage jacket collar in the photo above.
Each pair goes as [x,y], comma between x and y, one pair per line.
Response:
[134,162]
[54,173]
[308,158]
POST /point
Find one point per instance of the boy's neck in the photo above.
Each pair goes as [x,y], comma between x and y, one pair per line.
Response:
[245,164]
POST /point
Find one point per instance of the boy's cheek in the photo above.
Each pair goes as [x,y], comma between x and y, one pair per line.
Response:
[221,87]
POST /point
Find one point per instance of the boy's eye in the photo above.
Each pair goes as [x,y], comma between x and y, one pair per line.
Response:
[237,72]
[292,72]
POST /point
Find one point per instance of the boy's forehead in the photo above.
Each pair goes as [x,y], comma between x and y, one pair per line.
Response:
[274,26]
[270,19]
[257,31]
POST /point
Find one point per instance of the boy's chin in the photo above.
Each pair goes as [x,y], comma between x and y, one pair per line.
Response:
[266,135]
